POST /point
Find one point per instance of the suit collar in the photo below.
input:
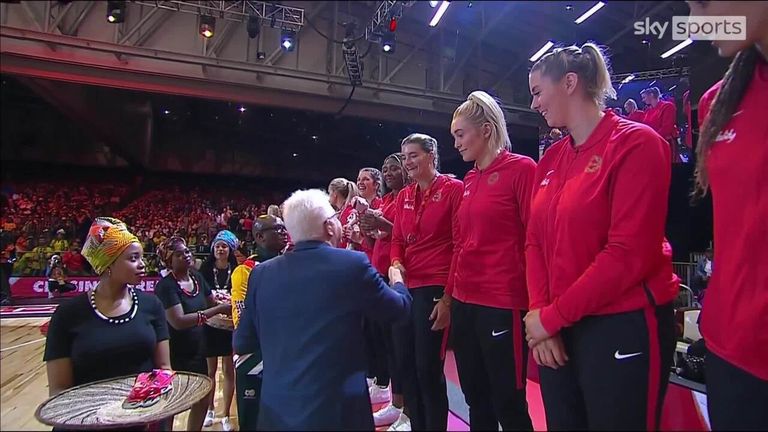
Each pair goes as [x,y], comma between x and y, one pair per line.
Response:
[310,244]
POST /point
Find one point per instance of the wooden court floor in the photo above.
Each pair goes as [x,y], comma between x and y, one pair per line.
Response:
[24,384]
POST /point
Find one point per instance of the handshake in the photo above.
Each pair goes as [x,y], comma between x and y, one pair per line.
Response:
[396,273]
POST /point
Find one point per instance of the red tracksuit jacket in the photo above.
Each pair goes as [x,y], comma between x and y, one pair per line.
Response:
[424,232]
[595,241]
[637,116]
[735,311]
[383,245]
[662,119]
[488,266]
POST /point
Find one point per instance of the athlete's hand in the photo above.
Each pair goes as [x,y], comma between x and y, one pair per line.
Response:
[395,275]
[368,222]
[441,314]
[550,353]
[534,330]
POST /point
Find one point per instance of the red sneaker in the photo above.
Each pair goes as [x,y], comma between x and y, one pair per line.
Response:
[148,388]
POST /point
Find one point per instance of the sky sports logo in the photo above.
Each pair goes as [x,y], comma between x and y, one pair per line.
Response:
[696,28]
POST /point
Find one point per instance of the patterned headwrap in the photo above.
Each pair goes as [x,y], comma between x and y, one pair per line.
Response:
[107,239]
[227,237]
[165,250]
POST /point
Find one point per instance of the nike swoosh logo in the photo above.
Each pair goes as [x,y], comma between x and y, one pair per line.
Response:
[435,299]
[618,356]
[494,333]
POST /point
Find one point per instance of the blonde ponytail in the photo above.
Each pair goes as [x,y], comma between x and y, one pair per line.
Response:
[588,62]
[479,108]
[602,80]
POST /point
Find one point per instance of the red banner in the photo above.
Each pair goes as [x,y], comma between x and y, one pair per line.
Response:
[37,287]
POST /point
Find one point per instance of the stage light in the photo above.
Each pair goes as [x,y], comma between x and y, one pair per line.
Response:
[288,39]
[628,79]
[433,3]
[207,26]
[241,109]
[166,112]
[115,11]
[295,155]
[393,24]
[590,12]
[677,48]
[569,7]
[253,27]
[439,13]
[388,42]
[543,50]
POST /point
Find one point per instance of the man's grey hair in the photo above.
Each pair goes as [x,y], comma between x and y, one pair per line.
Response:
[305,213]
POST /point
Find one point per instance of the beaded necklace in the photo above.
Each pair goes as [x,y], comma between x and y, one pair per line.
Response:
[195,285]
[134,308]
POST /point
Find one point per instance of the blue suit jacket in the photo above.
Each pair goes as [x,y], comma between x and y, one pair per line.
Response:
[307,308]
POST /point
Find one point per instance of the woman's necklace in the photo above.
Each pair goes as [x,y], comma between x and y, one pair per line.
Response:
[134,308]
[216,278]
[195,285]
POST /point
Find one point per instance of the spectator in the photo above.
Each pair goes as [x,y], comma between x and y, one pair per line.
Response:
[60,244]
[74,262]
[661,116]
[703,273]
[633,113]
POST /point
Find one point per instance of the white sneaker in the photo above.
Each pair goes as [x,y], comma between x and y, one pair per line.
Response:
[225,424]
[403,423]
[378,394]
[209,416]
[387,415]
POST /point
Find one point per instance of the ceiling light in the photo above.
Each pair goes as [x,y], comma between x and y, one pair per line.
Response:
[677,48]
[543,50]
[207,26]
[439,13]
[115,11]
[288,39]
[590,12]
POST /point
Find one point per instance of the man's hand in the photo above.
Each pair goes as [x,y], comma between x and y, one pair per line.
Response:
[534,330]
[550,353]
[396,275]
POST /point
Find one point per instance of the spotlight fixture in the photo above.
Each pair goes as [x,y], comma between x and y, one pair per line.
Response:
[261,55]
[288,40]
[207,26]
[388,42]
[253,27]
[115,11]
[433,3]
[241,109]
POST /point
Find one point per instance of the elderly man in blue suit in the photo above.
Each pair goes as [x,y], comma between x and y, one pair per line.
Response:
[306,307]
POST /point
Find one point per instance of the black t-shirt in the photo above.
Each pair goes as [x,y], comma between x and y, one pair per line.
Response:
[219,275]
[102,350]
[189,342]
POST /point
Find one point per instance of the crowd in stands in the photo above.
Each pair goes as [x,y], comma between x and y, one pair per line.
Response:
[43,219]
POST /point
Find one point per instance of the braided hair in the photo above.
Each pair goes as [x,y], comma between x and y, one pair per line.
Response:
[732,90]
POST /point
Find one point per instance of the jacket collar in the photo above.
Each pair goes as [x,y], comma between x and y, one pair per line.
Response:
[310,244]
